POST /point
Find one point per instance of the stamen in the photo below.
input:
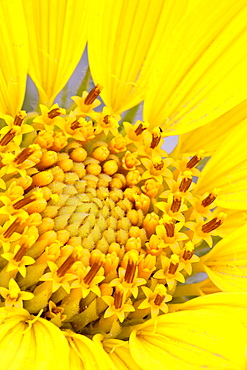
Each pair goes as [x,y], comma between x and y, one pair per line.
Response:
[176,203]
[118,299]
[54,113]
[21,253]
[172,268]
[19,118]
[174,262]
[11,229]
[156,136]
[107,119]
[210,198]
[130,272]
[214,223]
[140,129]
[23,202]
[94,269]
[74,125]
[66,266]
[93,94]
[187,255]
[158,166]
[21,157]
[195,160]
[159,299]
[170,228]
[7,137]
[185,184]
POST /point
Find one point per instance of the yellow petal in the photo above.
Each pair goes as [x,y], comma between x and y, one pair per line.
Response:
[190,340]
[200,72]
[205,287]
[124,37]
[234,304]
[87,355]
[227,170]
[31,343]
[226,263]
[119,352]
[14,57]
[57,37]
[210,136]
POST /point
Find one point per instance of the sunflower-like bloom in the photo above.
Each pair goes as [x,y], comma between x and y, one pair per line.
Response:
[114,254]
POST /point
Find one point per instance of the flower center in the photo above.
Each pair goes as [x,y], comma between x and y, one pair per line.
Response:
[102,216]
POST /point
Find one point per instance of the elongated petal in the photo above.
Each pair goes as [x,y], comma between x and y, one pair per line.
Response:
[14,56]
[201,71]
[226,263]
[120,354]
[210,136]
[227,170]
[124,37]
[87,355]
[232,303]
[57,37]
[190,340]
[31,343]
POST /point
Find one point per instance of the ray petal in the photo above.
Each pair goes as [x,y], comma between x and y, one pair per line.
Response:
[200,72]
[57,37]
[124,37]
[14,56]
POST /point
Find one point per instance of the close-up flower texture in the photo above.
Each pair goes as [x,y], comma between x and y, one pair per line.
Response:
[116,250]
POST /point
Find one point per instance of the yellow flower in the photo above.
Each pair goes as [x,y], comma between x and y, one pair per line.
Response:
[14,296]
[114,254]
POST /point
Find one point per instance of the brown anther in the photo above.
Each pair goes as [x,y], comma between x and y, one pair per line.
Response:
[74,125]
[158,166]
[118,299]
[212,225]
[170,228]
[155,140]
[176,203]
[130,272]
[193,161]
[21,157]
[187,255]
[208,200]
[54,113]
[7,137]
[65,266]
[107,120]
[185,184]
[159,299]
[93,94]
[94,269]
[11,229]
[140,129]
[21,253]
[172,268]
[19,118]
[23,202]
